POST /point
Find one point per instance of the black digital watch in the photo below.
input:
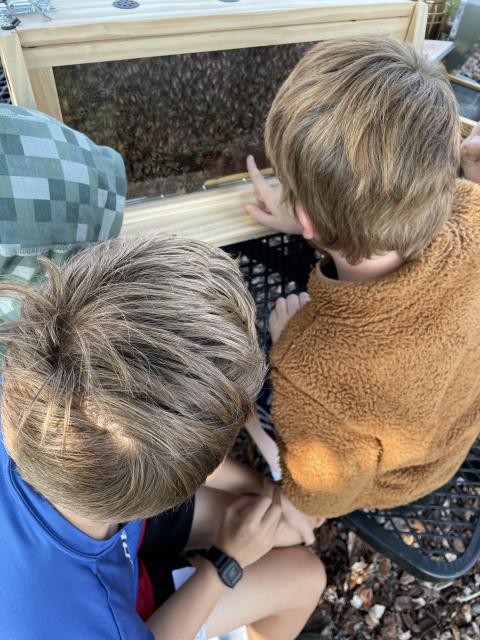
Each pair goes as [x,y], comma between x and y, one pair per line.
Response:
[228,568]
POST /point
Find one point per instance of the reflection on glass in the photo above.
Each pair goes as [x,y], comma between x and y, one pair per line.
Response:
[465,32]
[182,120]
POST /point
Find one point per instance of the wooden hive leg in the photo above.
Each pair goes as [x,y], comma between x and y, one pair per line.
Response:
[45,91]
[16,72]
[418,26]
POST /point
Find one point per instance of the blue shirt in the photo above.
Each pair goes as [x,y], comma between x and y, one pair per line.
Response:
[57,583]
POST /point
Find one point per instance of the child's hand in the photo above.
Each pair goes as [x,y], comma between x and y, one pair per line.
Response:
[249,527]
[285,308]
[269,210]
[470,155]
[295,518]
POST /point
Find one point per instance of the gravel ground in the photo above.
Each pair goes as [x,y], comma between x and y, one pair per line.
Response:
[370,598]
[471,67]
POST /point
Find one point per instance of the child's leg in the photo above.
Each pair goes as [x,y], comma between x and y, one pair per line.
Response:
[276,594]
[267,446]
[275,597]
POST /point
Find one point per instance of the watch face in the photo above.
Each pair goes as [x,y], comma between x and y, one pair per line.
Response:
[231,573]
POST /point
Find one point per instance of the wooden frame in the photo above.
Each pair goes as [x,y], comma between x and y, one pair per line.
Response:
[465,82]
[467,124]
[93,31]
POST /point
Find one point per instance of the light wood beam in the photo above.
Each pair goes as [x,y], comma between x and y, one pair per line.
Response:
[45,92]
[418,26]
[16,72]
[83,53]
[467,126]
[98,21]
[216,216]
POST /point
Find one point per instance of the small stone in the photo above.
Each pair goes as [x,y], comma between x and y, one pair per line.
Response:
[358,566]
[459,546]
[369,622]
[356,602]
[401,525]
[406,635]
[476,609]
[419,603]
[467,613]
[376,613]
[406,579]
[385,566]
[402,603]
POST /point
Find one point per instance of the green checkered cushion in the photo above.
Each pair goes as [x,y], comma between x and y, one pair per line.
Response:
[59,193]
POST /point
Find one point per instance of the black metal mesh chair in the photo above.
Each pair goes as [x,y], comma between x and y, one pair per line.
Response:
[4,94]
[436,538]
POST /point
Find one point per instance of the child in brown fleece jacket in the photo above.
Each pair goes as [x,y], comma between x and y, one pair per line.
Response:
[376,371]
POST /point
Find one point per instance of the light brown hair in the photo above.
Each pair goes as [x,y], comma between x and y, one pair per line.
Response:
[365,134]
[129,375]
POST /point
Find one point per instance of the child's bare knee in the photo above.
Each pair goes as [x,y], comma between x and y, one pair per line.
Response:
[315,577]
[308,578]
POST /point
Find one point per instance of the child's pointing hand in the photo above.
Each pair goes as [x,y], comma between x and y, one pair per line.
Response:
[270,211]
[285,308]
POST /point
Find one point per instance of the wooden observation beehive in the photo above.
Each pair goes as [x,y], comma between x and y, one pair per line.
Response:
[182,89]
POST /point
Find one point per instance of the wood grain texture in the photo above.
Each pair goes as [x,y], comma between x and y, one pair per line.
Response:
[217,216]
[417,27]
[467,126]
[155,18]
[45,92]
[82,53]
[16,72]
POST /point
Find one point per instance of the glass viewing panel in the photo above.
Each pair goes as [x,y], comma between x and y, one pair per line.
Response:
[178,121]
[465,32]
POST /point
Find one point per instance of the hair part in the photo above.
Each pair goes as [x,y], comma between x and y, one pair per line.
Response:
[365,134]
[129,374]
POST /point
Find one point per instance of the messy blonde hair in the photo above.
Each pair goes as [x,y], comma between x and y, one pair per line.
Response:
[129,375]
[365,134]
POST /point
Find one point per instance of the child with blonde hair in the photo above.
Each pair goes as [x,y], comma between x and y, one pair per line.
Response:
[376,371]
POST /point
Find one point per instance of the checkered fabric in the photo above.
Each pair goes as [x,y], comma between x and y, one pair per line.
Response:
[59,193]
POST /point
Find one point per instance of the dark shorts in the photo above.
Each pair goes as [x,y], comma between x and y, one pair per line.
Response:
[163,539]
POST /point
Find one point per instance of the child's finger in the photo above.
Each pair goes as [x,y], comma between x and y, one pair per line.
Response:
[259,509]
[268,488]
[258,180]
[241,505]
[303,298]
[267,219]
[272,515]
[293,304]
[257,212]
[281,308]
[470,149]
[273,316]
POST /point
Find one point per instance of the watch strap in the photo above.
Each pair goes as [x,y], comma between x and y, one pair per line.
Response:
[216,556]
[229,571]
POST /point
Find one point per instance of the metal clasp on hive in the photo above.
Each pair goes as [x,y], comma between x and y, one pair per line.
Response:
[10,9]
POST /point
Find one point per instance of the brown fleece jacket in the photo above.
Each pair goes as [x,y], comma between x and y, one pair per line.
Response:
[377,385]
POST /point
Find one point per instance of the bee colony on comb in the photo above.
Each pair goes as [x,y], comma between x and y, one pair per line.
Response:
[180,122]
[182,89]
